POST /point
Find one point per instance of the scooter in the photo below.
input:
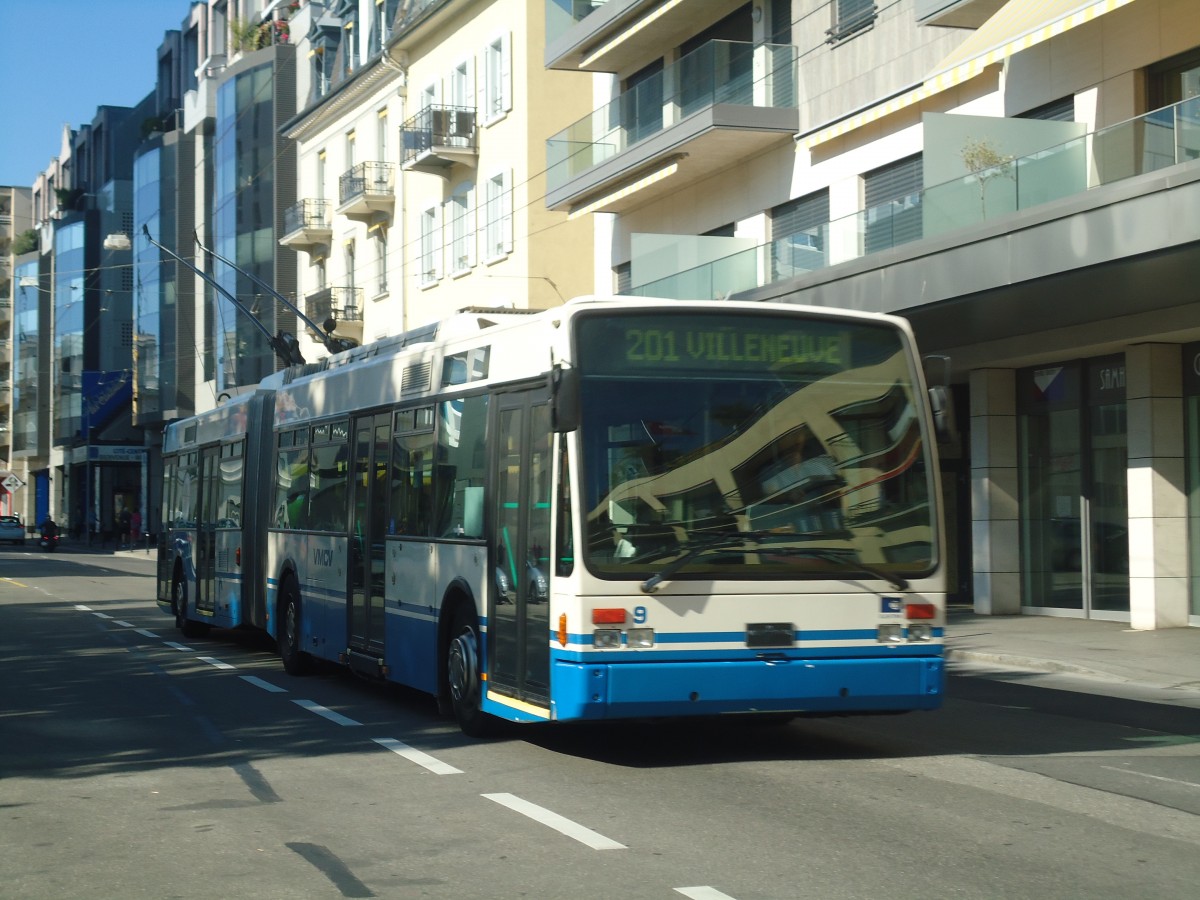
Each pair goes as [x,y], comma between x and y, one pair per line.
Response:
[48,542]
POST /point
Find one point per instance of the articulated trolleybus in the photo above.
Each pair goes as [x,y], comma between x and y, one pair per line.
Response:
[614,509]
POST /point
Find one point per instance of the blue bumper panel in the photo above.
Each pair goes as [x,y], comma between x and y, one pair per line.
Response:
[633,690]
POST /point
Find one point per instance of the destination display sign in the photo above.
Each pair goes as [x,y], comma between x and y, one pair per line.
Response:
[696,342]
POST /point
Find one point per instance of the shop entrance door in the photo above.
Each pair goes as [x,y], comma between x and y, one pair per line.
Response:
[1074,501]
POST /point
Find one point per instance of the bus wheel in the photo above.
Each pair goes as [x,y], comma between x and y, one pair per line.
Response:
[462,674]
[179,606]
[295,661]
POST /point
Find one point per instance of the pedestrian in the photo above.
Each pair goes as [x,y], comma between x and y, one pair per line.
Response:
[135,528]
[123,523]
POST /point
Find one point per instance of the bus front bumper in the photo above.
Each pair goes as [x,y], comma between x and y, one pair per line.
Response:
[815,686]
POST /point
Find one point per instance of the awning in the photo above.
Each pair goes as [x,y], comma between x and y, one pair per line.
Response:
[1019,25]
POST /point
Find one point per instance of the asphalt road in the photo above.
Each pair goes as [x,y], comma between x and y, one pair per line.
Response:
[134,763]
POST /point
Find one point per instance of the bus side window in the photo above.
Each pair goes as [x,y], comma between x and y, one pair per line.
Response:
[411,484]
[462,464]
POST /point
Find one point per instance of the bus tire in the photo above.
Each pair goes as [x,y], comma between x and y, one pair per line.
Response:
[179,602]
[462,674]
[295,661]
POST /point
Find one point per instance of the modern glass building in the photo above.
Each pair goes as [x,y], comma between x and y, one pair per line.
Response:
[254,176]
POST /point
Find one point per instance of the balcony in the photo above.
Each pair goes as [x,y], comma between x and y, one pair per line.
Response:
[338,310]
[1065,173]
[306,225]
[708,111]
[439,138]
[617,35]
[367,190]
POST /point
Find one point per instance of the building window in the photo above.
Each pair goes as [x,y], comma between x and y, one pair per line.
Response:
[799,235]
[1060,110]
[850,18]
[462,243]
[429,264]
[380,242]
[893,204]
[497,84]
[498,212]
[381,137]
[623,278]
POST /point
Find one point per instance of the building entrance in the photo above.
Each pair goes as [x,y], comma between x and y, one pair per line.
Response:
[1074,500]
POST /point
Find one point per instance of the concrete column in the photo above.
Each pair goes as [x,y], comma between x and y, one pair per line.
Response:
[996,552]
[1158,548]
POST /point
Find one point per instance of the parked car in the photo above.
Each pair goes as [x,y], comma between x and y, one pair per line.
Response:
[12,529]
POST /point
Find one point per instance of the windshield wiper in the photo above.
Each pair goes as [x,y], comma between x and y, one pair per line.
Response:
[849,564]
[738,540]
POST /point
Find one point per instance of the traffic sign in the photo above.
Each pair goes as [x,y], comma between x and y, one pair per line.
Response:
[12,482]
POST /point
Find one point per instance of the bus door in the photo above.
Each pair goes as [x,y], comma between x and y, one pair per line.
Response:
[519,619]
[368,528]
[206,530]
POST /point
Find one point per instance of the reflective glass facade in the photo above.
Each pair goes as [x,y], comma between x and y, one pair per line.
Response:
[243,222]
[25,359]
[155,287]
[70,322]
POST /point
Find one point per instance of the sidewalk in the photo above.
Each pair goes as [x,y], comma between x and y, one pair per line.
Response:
[1167,658]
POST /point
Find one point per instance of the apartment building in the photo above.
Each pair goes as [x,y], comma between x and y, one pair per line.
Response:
[421,167]
[1017,178]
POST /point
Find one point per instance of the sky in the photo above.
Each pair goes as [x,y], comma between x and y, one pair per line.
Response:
[62,59]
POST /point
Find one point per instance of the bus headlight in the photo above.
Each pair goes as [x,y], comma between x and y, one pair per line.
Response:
[890,634]
[639,637]
[920,633]
[606,638]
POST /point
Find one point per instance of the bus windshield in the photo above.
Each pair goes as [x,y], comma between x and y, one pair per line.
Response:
[751,446]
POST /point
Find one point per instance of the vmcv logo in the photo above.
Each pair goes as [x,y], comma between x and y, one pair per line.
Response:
[322,557]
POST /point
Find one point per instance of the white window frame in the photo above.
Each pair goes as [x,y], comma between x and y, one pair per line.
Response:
[460,218]
[498,217]
[379,239]
[381,135]
[429,270]
[497,79]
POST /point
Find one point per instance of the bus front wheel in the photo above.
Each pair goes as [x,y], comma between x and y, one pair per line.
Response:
[295,661]
[462,675]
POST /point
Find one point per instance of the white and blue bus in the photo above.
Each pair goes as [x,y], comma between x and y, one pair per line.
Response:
[618,508]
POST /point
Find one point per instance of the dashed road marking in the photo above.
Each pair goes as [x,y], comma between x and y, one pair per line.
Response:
[215,663]
[412,754]
[559,823]
[265,685]
[329,714]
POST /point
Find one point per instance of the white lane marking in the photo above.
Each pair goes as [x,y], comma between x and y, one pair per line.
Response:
[175,646]
[412,754]
[216,663]
[327,713]
[265,685]
[122,623]
[703,892]
[82,608]
[557,822]
[1148,775]
[145,632]
[100,615]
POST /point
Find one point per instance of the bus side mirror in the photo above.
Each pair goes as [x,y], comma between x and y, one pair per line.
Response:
[564,399]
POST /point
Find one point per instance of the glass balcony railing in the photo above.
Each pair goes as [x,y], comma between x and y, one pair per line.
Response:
[1165,137]
[725,72]
[563,15]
